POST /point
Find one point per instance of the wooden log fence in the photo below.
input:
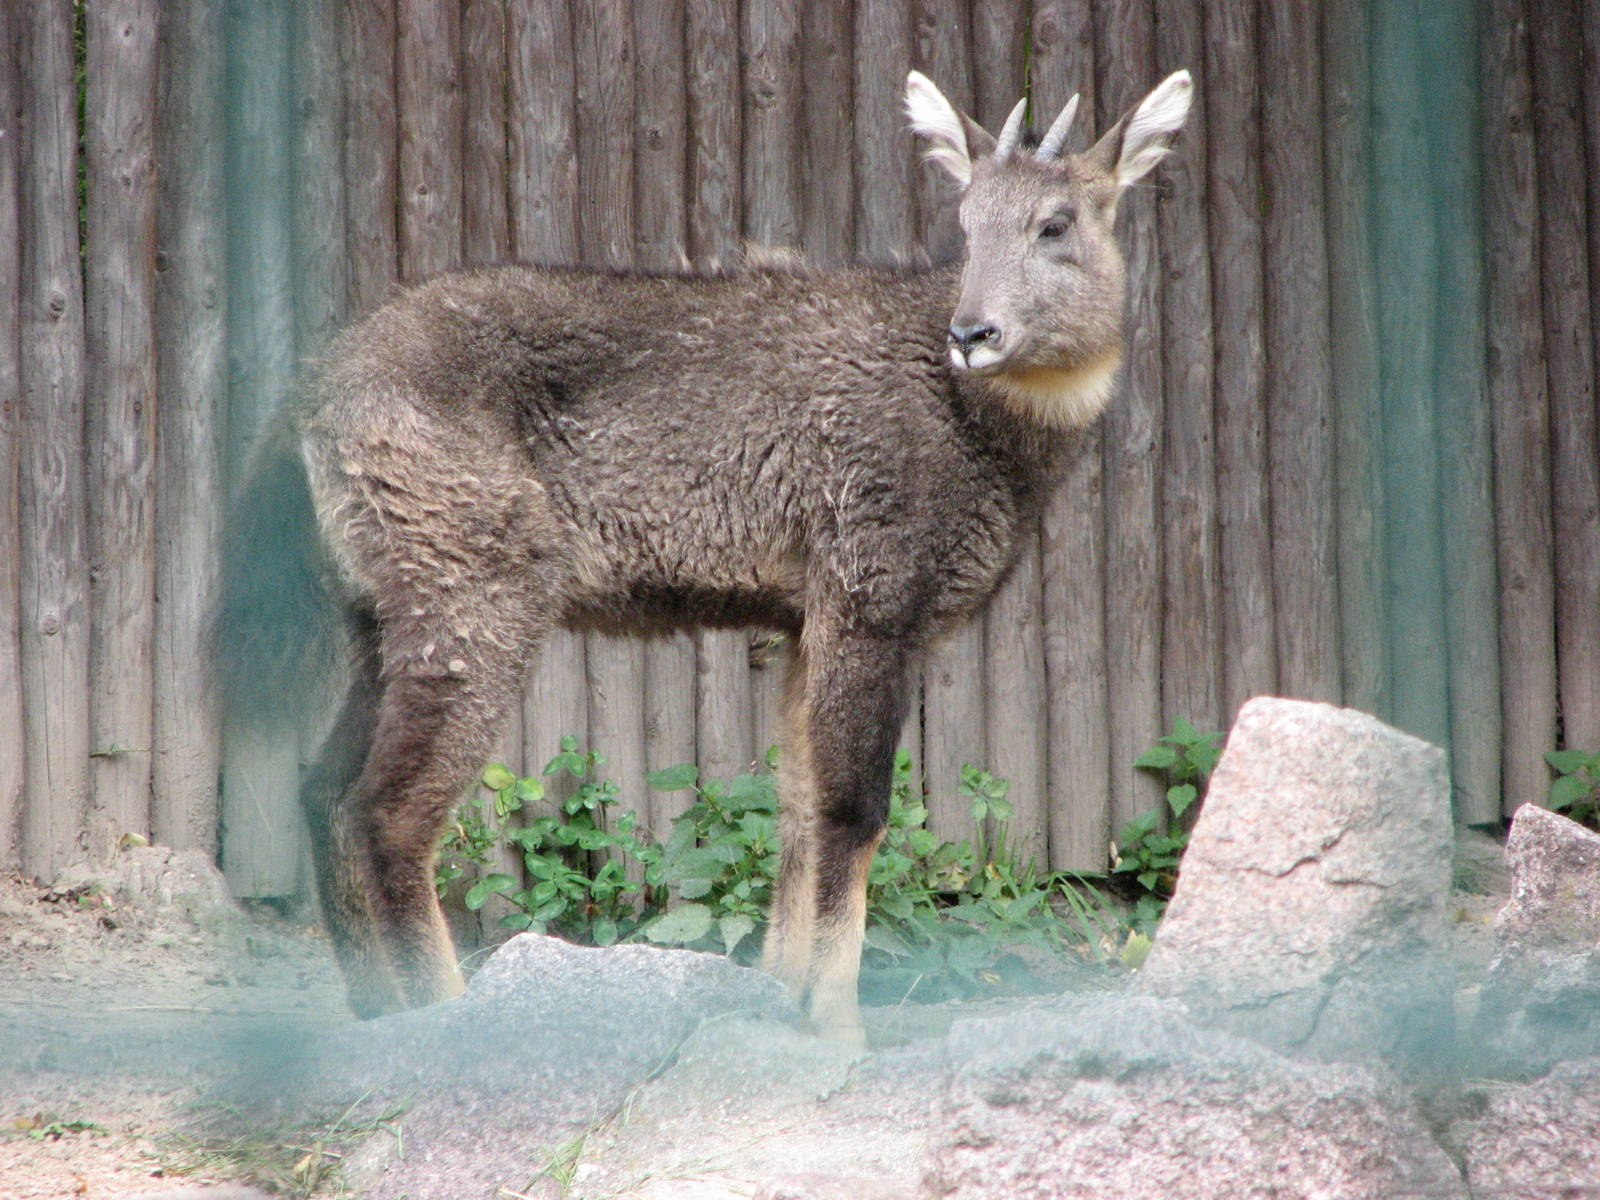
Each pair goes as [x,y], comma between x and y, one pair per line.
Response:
[1354,457]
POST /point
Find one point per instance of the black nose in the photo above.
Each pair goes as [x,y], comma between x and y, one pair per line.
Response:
[969,336]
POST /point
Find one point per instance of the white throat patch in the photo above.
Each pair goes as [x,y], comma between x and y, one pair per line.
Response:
[1061,397]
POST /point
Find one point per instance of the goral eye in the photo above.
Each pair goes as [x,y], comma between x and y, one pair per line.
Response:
[1053,230]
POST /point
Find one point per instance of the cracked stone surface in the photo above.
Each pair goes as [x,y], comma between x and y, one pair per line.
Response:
[1311,911]
[1541,999]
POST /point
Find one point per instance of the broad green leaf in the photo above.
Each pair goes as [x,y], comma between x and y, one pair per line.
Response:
[1568,762]
[1569,790]
[604,932]
[694,889]
[496,776]
[686,923]
[478,894]
[1135,950]
[529,791]
[674,779]
[734,928]
[1157,758]
[1179,798]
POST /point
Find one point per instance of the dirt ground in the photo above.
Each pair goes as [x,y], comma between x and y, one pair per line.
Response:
[126,996]
[120,1003]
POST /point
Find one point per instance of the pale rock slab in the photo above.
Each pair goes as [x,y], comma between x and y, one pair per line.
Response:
[1311,912]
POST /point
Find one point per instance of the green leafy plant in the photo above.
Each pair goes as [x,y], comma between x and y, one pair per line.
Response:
[1185,758]
[944,918]
[1576,790]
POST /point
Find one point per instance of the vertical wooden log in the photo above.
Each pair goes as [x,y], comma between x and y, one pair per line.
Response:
[261,826]
[886,212]
[953,719]
[1300,449]
[1233,197]
[661,239]
[1353,336]
[486,229]
[1517,390]
[429,115]
[886,206]
[773,104]
[191,345]
[943,52]
[1191,642]
[715,216]
[1073,531]
[119,141]
[55,567]
[13,762]
[605,50]
[1406,242]
[317,108]
[1558,74]
[371,169]
[1016,733]
[485,190]
[1463,414]
[542,118]
[1125,64]
[827,168]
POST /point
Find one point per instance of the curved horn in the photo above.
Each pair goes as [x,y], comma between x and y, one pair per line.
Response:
[1011,134]
[1056,140]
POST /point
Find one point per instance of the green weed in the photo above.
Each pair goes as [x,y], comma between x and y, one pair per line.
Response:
[1185,758]
[944,918]
[1576,790]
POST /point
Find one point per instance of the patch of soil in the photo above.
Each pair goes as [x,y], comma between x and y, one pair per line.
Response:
[124,995]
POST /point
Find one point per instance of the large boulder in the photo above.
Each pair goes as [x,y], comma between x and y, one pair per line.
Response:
[549,1039]
[1311,913]
[1125,1097]
[1540,1001]
[1540,1141]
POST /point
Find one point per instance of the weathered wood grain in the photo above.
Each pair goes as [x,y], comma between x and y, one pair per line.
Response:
[1300,445]
[773,104]
[1353,340]
[55,566]
[13,752]
[191,355]
[1558,74]
[543,211]
[371,167]
[886,212]
[1233,198]
[119,322]
[429,118]
[1519,395]
[1072,539]
[261,827]
[1125,67]
[661,238]
[485,188]
[953,718]
[1406,239]
[827,169]
[1191,634]
[544,132]
[604,42]
[1464,422]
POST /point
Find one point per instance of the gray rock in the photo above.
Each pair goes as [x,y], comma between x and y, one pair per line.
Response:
[1125,1097]
[549,1040]
[1540,1001]
[1311,912]
[752,1108]
[1540,1141]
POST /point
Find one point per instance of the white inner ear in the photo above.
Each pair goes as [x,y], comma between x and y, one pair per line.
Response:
[1157,119]
[933,117]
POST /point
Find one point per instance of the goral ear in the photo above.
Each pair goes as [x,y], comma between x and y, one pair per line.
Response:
[955,140]
[1141,139]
